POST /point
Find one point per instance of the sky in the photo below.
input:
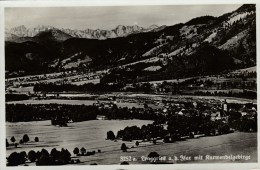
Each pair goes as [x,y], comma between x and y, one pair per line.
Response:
[108,17]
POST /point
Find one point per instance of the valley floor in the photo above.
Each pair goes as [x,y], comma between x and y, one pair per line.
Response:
[130,95]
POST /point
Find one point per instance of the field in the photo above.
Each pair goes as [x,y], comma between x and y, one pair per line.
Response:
[74,102]
[88,134]
[129,96]
[194,97]
[94,81]
[250,69]
[92,134]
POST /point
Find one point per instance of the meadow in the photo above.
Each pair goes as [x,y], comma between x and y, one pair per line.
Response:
[92,134]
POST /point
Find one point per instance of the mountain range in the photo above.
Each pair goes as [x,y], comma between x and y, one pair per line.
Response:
[21,33]
[202,46]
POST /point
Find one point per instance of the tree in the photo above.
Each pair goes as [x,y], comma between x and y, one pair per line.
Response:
[224,129]
[15,159]
[65,156]
[23,154]
[83,151]
[137,143]
[36,139]
[110,135]
[124,163]
[13,139]
[44,160]
[45,152]
[154,155]
[154,141]
[123,147]
[12,159]
[21,141]
[25,138]
[54,153]
[7,143]
[32,156]
[93,164]
[38,154]
[248,124]
[145,105]
[76,151]
[166,139]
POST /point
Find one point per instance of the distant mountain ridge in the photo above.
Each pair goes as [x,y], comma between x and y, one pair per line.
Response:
[119,31]
[204,45]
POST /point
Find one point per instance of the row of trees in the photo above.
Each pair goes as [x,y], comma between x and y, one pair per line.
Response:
[43,157]
[60,114]
[89,87]
[30,112]
[24,140]
[245,94]
[243,75]
[146,132]
[144,87]
[186,126]
[83,152]
[16,97]
[129,113]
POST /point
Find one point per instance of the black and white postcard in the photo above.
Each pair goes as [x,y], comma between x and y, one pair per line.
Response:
[170,85]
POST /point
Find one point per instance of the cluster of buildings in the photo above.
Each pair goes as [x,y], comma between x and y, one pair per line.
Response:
[215,109]
[57,78]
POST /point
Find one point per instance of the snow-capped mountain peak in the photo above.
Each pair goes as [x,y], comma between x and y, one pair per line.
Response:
[119,31]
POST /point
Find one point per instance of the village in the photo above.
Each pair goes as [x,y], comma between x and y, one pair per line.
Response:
[175,119]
